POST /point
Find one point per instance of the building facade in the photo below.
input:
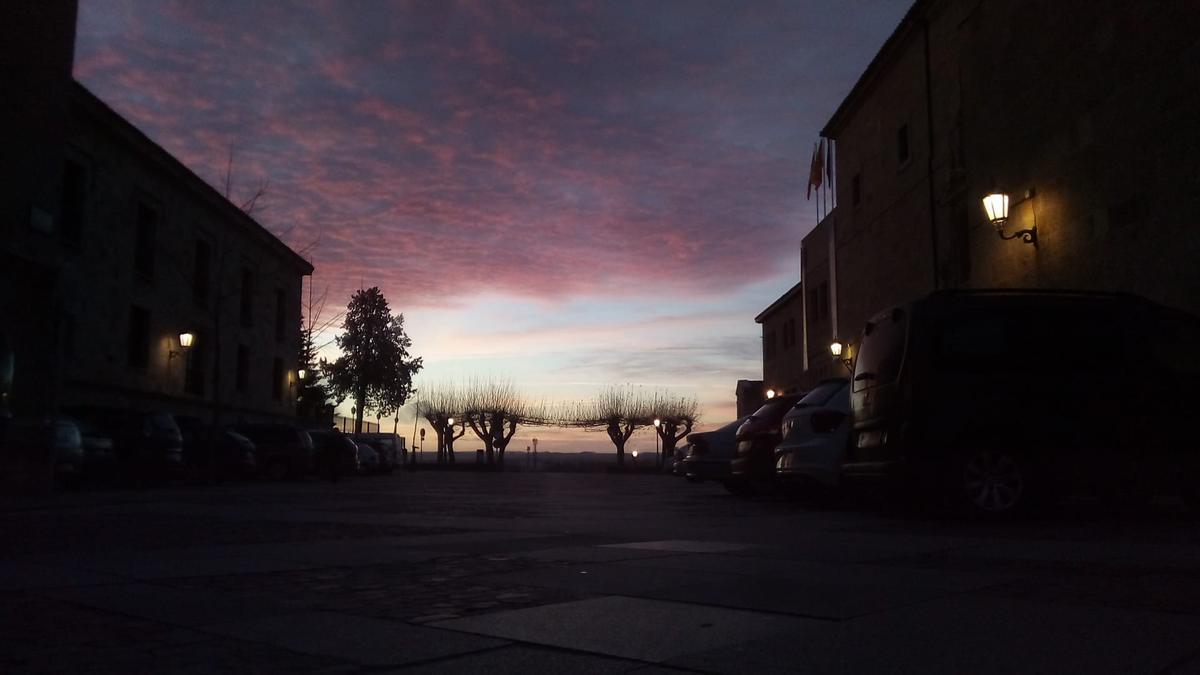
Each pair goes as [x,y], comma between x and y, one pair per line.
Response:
[112,251]
[1083,113]
[782,329]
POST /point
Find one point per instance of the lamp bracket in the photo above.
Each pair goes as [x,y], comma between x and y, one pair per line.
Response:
[1027,236]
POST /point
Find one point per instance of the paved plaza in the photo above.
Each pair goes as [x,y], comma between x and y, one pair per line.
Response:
[446,572]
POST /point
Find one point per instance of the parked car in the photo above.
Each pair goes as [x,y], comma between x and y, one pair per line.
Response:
[337,453]
[752,469]
[283,451]
[99,460]
[234,455]
[389,446]
[148,446]
[368,459]
[709,452]
[813,436]
[57,443]
[997,399]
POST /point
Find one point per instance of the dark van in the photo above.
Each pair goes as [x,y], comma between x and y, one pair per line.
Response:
[998,398]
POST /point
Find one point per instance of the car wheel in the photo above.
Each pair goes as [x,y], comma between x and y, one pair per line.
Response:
[993,482]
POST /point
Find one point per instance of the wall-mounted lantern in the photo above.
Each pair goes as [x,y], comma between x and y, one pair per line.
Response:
[770,394]
[997,204]
[185,343]
[302,373]
[837,347]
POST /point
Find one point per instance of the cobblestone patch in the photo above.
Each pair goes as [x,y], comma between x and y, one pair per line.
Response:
[40,635]
[434,591]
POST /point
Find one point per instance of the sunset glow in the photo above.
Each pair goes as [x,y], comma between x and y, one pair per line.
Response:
[566,196]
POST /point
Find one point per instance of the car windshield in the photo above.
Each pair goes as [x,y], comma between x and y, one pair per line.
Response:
[821,394]
[773,409]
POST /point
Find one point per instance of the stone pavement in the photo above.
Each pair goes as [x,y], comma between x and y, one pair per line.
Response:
[463,572]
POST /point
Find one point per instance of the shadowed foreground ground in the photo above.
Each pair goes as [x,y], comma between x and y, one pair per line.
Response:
[588,573]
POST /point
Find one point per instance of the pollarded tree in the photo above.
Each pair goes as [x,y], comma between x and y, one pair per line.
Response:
[440,406]
[375,365]
[493,410]
[619,411]
[674,417]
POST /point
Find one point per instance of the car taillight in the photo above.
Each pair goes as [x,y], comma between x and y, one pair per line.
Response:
[824,421]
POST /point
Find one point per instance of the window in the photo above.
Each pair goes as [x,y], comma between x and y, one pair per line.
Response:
[277,379]
[201,273]
[902,144]
[280,314]
[856,189]
[137,340]
[789,334]
[143,251]
[74,201]
[818,303]
[247,311]
[242,370]
[194,365]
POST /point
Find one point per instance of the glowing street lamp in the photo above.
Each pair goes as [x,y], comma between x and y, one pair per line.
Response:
[657,424]
[302,373]
[770,394]
[837,347]
[997,204]
[185,343]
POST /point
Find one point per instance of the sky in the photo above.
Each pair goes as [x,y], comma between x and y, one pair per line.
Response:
[562,195]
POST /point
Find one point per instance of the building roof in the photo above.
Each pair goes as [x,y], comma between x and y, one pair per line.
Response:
[875,69]
[189,178]
[779,302]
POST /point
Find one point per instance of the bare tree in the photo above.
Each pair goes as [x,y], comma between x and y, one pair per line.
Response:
[494,410]
[674,417]
[313,398]
[619,411]
[438,404]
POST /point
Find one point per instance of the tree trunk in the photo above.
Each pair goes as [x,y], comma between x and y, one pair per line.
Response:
[359,398]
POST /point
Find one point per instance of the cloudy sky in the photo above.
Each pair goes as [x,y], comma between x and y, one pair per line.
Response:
[562,194]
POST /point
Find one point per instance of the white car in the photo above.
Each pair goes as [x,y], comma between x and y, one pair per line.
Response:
[814,433]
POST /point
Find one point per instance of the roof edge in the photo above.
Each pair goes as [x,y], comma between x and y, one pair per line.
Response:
[787,295]
[206,190]
[869,75]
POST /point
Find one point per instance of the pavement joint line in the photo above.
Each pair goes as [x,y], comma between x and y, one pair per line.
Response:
[752,610]
[539,645]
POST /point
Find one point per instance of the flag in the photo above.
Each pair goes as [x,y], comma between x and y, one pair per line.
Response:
[816,169]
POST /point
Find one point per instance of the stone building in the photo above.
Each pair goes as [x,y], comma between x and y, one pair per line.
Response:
[781,345]
[1083,113]
[113,249]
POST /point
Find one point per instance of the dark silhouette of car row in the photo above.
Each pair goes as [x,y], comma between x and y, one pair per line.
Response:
[103,445]
[992,401]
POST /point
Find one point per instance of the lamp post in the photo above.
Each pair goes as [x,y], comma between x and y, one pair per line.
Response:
[657,453]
